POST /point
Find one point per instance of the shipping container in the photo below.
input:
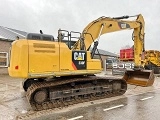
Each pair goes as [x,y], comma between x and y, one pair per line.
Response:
[127,54]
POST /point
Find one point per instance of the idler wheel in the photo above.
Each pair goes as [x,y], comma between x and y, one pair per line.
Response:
[40,96]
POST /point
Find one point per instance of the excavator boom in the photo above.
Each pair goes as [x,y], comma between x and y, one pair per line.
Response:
[103,25]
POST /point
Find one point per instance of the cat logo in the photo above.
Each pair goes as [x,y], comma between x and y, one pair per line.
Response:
[79,60]
[123,25]
[79,56]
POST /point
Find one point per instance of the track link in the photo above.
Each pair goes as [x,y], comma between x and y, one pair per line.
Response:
[106,87]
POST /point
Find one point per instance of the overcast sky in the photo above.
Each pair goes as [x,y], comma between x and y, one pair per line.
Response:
[74,15]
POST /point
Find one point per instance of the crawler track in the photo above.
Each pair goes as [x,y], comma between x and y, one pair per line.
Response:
[62,92]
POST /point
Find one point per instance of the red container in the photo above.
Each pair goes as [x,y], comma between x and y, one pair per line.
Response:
[127,54]
[122,54]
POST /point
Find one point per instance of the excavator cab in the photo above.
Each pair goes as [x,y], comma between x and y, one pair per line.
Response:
[139,77]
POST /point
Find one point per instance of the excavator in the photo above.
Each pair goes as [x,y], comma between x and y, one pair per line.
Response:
[58,73]
[152,60]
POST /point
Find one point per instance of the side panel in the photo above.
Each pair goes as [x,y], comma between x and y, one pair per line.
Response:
[93,64]
[65,59]
[77,62]
[43,58]
[33,58]
[18,65]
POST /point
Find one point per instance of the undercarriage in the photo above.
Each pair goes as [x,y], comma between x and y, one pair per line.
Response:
[66,91]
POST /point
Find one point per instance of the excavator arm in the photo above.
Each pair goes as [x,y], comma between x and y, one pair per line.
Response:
[93,31]
[103,25]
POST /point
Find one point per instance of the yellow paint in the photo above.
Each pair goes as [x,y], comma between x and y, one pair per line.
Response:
[112,25]
[19,57]
[35,60]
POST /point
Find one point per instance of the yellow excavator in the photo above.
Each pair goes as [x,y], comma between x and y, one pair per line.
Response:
[152,60]
[59,73]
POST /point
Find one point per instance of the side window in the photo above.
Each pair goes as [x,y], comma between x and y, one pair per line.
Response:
[3,59]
